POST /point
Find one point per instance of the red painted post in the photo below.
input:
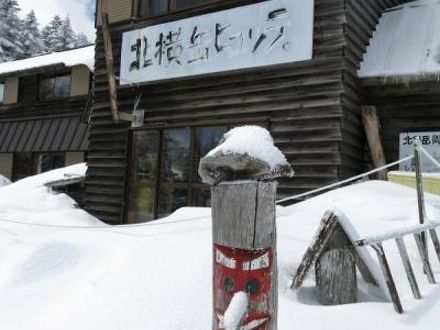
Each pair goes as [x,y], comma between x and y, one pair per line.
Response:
[244,253]
[244,232]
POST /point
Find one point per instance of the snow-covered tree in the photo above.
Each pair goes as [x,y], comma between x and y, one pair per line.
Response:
[31,38]
[52,34]
[81,40]
[10,26]
[67,36]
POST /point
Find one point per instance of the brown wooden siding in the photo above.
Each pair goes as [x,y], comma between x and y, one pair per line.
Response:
[302,101]
[50,125]
[403,108]
[118,10]
[361,20]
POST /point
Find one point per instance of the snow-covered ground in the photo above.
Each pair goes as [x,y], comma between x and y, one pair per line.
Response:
[87,275]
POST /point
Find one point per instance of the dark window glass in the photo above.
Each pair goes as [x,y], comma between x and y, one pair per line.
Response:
[158,191]
[182,4]
[62,86]
[144,175]
[206,139]
[171,198]
[47,87]
[157,7]
[54,87]
[50,161]
[202,198]
[154,7]
[2,93]
[175,155]
[23,165]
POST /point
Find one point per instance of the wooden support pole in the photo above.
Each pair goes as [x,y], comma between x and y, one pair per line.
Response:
[244,237]
[425,259]
[335,271]
[109,60]
[388,277]
[371,124]
[420,192]
[408,268]
[435,241]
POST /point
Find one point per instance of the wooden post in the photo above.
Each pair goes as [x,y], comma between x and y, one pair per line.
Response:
[335,271]
[371,124]
[109,60]
[388,277]
[420,192]
[408,268]
[425,259]
[244,237]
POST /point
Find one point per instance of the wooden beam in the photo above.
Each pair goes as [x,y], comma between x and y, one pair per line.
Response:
[425,259]
[420,193]
[435,241]
[328,223]
[371,124]
[109,60]
[408,268]
[388,277]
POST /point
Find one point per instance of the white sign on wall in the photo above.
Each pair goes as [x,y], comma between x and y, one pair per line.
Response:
[271,32]
[429,140]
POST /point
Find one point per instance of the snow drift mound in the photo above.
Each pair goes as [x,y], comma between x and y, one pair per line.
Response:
[28,200]
[158,275]
[4,181]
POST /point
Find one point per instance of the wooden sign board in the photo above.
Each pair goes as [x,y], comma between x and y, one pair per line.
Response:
[266,33]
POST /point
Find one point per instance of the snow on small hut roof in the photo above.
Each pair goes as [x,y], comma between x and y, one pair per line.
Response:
[406,43]
[69,58]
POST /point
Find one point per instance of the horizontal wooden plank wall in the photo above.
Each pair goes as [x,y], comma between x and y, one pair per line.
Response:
[29,107]
[412,107]
[301,100]
[361,20]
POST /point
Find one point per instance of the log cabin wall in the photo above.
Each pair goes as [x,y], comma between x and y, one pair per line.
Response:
[301,101]
[30,125]
[311,107]
[410,107]
[361,19]
[29,106]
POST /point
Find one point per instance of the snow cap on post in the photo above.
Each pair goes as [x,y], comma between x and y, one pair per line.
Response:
[246,152]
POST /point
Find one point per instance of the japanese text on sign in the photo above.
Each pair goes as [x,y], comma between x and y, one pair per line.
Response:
[272,32]
[429,140]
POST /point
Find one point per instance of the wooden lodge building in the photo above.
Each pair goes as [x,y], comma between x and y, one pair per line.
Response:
[200,67]
[43,119]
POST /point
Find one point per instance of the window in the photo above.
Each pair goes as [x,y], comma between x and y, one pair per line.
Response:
[50,161]
[23,165]
[164,170]
[157,7]
[2,93]
[54,87]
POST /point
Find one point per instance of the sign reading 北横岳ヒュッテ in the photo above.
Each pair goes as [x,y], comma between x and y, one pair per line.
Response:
[428,140]
[266,33]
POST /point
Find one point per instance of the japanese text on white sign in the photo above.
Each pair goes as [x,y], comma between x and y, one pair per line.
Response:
[272,32]
[429,140]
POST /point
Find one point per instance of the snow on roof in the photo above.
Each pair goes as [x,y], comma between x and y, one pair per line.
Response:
[70,58]
[406,43]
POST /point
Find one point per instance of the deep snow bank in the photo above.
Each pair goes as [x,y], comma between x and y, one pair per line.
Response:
[28,200]
[158,275]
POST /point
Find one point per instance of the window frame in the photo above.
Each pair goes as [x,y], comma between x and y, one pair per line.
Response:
[172,8]
[192,185]
[53,96]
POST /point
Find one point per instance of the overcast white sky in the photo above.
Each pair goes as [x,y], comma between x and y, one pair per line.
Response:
[80,12]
